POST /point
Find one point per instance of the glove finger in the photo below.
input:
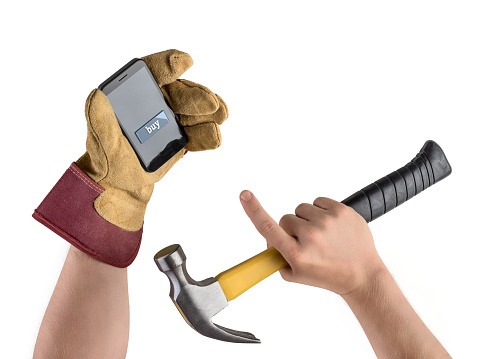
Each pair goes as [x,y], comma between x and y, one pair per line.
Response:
[189,98]
[223,113]
[167,66]
[204,136]
[217,117]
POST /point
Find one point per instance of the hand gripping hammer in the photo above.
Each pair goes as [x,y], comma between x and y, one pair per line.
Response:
[199,301]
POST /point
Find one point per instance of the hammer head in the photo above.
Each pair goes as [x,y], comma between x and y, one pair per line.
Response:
[199,301]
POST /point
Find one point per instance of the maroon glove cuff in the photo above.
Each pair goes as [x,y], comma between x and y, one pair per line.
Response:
[68,211]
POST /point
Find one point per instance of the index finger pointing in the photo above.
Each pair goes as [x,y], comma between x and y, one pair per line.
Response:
[266,226]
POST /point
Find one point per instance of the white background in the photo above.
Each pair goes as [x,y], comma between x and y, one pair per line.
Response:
[324,97]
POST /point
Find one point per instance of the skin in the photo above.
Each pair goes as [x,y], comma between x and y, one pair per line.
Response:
[328,245]
[88,315]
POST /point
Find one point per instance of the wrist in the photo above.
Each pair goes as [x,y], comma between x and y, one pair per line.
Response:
[92,267]
[374,277]
[68,210]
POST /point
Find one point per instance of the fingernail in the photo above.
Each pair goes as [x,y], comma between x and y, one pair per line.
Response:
[245,196]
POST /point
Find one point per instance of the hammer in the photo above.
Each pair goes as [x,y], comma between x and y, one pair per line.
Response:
[199,301]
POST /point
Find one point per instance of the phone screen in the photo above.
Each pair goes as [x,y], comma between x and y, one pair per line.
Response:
[142,112]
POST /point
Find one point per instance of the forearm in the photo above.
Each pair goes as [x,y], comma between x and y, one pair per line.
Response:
[88,313]
[390,323]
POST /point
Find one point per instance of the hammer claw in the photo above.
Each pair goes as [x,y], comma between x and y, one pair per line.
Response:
[239,337]
[197,301]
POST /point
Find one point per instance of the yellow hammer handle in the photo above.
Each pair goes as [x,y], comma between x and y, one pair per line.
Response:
[243,276]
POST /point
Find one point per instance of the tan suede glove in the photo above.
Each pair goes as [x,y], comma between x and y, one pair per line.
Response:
[121,187]
[112,163]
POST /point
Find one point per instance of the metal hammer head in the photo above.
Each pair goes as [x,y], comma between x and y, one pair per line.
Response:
[199,301]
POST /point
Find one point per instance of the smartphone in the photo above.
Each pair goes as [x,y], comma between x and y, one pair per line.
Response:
[144,115]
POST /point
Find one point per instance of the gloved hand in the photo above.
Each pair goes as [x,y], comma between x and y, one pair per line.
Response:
[99,203]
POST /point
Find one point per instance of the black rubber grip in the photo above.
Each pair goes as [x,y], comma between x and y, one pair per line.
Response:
[428,167]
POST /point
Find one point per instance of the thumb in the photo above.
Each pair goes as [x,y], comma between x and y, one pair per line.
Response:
[167,66]
[101,119]
[267,227]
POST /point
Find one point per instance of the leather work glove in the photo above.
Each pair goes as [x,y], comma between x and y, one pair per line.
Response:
[99,203]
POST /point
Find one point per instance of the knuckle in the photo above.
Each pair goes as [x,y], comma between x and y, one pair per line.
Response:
[255,209]
[319,200]
[266,226]
[285,219]
[328,220]
[342,208]
[333,214]
[301,208]
[312,232]
[296,258]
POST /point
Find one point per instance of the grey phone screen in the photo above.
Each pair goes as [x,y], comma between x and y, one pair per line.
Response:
[143,114]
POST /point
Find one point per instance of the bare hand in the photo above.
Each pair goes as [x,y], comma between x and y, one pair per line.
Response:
[327,244]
